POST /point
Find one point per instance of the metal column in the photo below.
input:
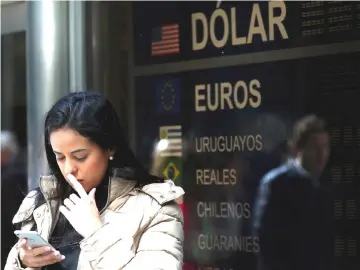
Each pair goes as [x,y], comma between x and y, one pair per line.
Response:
[132,110]
[77,46]
[49,45]
[97,46]
[8,76]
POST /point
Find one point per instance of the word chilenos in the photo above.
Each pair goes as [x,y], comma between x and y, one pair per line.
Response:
[256,26]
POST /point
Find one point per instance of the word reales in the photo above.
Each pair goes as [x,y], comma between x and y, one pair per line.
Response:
[223,177]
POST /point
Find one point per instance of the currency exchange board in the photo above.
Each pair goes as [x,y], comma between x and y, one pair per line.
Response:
[223,82]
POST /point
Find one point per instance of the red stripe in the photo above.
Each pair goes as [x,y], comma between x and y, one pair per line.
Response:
[169,50]
[169,43]
[170,26]
[170,35]
[168,38]
[176,30]
[172,51]
[162,44]
[165,52]
[166,47]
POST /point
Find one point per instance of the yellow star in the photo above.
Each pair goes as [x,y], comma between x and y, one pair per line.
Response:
[163,134]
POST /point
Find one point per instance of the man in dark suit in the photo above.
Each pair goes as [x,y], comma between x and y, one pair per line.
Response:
[287,212]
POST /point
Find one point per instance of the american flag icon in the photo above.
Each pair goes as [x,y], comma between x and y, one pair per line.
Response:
[165,40]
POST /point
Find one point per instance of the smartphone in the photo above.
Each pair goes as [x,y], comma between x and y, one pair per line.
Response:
[33,238]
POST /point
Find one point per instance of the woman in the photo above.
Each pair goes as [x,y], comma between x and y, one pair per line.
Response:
[99,208]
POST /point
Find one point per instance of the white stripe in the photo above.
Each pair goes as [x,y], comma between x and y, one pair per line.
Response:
[175,133]
[174,141]
[175,154]
[177,147]
[171,127]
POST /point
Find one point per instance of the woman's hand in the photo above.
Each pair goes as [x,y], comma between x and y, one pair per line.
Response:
[38,257]
[82,211]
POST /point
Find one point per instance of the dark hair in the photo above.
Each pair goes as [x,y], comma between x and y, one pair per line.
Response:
[304,128]
[92,116]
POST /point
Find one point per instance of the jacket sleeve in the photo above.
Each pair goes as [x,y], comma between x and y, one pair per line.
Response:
[13,261]
[24,218]
[273,227]
[283,225]
[160,246]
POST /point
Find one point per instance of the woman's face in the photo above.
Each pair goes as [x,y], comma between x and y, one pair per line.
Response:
[79,156]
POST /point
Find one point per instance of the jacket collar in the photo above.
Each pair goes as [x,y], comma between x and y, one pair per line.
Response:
[120,186]
[295,163]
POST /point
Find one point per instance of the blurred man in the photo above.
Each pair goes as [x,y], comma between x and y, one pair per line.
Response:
[13,189]
[287,210]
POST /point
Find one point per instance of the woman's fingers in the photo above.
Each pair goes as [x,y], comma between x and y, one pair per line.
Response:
[40,256]
[75,199]
[77,186]
[69,204]
[47,259]
[41,250]
[41,260]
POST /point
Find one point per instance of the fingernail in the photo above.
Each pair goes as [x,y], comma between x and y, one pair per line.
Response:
[62,257]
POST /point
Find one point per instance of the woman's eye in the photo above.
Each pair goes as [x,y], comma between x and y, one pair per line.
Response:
[80,158]
[60,158]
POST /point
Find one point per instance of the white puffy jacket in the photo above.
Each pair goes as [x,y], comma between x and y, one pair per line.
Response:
[143,228]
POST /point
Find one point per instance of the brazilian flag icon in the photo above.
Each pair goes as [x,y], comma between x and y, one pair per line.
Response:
[172,169]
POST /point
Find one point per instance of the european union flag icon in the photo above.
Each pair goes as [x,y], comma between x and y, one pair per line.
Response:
[168,95]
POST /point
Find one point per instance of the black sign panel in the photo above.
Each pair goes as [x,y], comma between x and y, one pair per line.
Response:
[178,31]
[233,123]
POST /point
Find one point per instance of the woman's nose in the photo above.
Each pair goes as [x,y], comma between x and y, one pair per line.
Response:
[70,168]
